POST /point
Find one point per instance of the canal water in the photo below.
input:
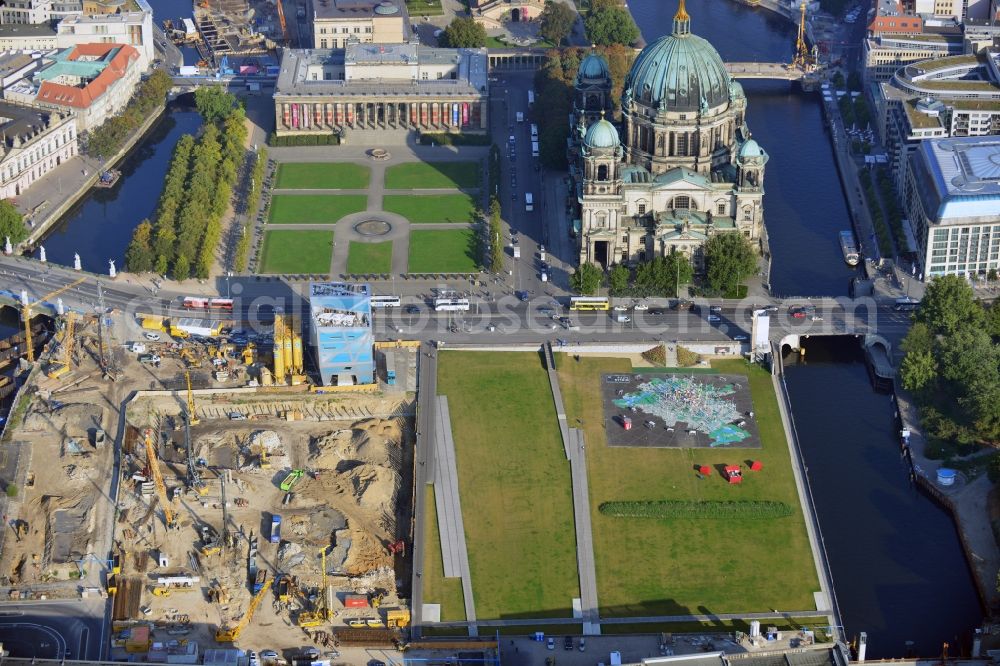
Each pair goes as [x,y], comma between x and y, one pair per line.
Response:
[99,227]
[897,562]
[898,567]
[804,205]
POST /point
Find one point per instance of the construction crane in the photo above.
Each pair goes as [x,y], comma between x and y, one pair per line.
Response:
[281,20]
[154,470]
[59,368]
[26,313]
[194,478]
[321,612]
[230,634]
[191,418]
[804,59]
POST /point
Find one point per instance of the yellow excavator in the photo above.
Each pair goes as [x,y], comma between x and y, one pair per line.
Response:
[230,634]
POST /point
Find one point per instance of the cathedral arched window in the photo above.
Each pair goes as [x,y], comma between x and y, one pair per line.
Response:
[681,145]
[602,172]
[681,202]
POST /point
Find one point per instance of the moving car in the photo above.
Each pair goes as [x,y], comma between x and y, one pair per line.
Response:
[714,318]
[740,337]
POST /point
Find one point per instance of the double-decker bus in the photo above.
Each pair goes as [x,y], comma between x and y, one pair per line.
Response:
[385,301]
[200,303]
[451,304]
[585,303]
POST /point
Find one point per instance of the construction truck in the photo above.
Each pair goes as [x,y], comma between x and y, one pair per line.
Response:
[284,589]
[291,479]
[397,618]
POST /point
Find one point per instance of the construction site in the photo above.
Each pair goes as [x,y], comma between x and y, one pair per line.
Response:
[233,28]
[240,508]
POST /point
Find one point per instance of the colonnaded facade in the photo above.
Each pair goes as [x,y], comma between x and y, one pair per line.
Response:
[684,166]
[382,86]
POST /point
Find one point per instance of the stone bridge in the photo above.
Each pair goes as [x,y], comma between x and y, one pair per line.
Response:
[765,70]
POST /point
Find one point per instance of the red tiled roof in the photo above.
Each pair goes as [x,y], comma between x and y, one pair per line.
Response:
[82,98]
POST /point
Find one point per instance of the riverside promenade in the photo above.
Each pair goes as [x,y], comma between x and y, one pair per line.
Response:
[967,501]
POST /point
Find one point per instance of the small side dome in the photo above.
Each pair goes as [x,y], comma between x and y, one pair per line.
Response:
[602,134]
[750,150]
[593,67]
[386,9]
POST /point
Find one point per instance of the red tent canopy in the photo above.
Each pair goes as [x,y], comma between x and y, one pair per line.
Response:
[705,469]
[734,474]
[756,466]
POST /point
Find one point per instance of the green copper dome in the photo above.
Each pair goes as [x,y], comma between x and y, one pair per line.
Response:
[593,67]
[679,72]
[750,149]
[602,134]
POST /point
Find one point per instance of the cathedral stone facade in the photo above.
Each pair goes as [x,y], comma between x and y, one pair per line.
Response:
[682,168]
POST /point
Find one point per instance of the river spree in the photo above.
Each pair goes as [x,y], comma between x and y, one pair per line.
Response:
[100,226]
[898,566]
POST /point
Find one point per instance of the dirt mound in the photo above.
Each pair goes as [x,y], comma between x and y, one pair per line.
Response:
[76,418]
[371,441]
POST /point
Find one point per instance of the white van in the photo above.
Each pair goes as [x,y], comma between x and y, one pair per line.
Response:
[534,132]
[534,149]
[520,116]
[529,202]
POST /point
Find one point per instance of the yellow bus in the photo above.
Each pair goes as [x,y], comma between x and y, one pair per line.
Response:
[585,303]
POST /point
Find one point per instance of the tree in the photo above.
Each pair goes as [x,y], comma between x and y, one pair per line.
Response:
[618,279]
[496,238]
[663,275]
[993,320]
[610,23]
[11,223]
[556,21]
[949,302]
[586,279]
[214,103]
[729,259]
[918,371]
[464,32]
[182,268]
[139,256]
[919,340]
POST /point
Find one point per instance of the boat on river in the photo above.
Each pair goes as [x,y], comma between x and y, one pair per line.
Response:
[108,178]
[849,248]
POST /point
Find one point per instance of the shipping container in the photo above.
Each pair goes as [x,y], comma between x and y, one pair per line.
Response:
[355,601]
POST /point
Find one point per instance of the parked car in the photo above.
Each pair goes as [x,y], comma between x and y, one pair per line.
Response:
[715,308]
[799,314]
[268,654]
[152,336]
[740,337]
[568,643]
[583,644]
[550,644]
[238,416]
[412,309]
[640,307]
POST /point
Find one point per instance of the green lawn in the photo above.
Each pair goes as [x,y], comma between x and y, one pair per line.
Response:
[290,251]
[429,175]
[443,251]
[369,257]
[322,176]
[424,7]
[690,566]
[514,483]
[437,588]
[431,207]
[314,208]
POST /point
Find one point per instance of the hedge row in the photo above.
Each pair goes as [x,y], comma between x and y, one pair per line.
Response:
[304,140]
[685,509]
[892,208]
[878,219]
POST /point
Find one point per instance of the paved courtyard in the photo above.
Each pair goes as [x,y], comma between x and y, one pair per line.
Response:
[677,410]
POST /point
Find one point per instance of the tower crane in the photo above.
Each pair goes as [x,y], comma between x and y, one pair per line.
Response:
[804,58]
[230,634]
[191,418]
[60,368]
[154,469]
[26,314]
[194,478]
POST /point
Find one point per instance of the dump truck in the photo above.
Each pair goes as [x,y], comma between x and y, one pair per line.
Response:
[275,528]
